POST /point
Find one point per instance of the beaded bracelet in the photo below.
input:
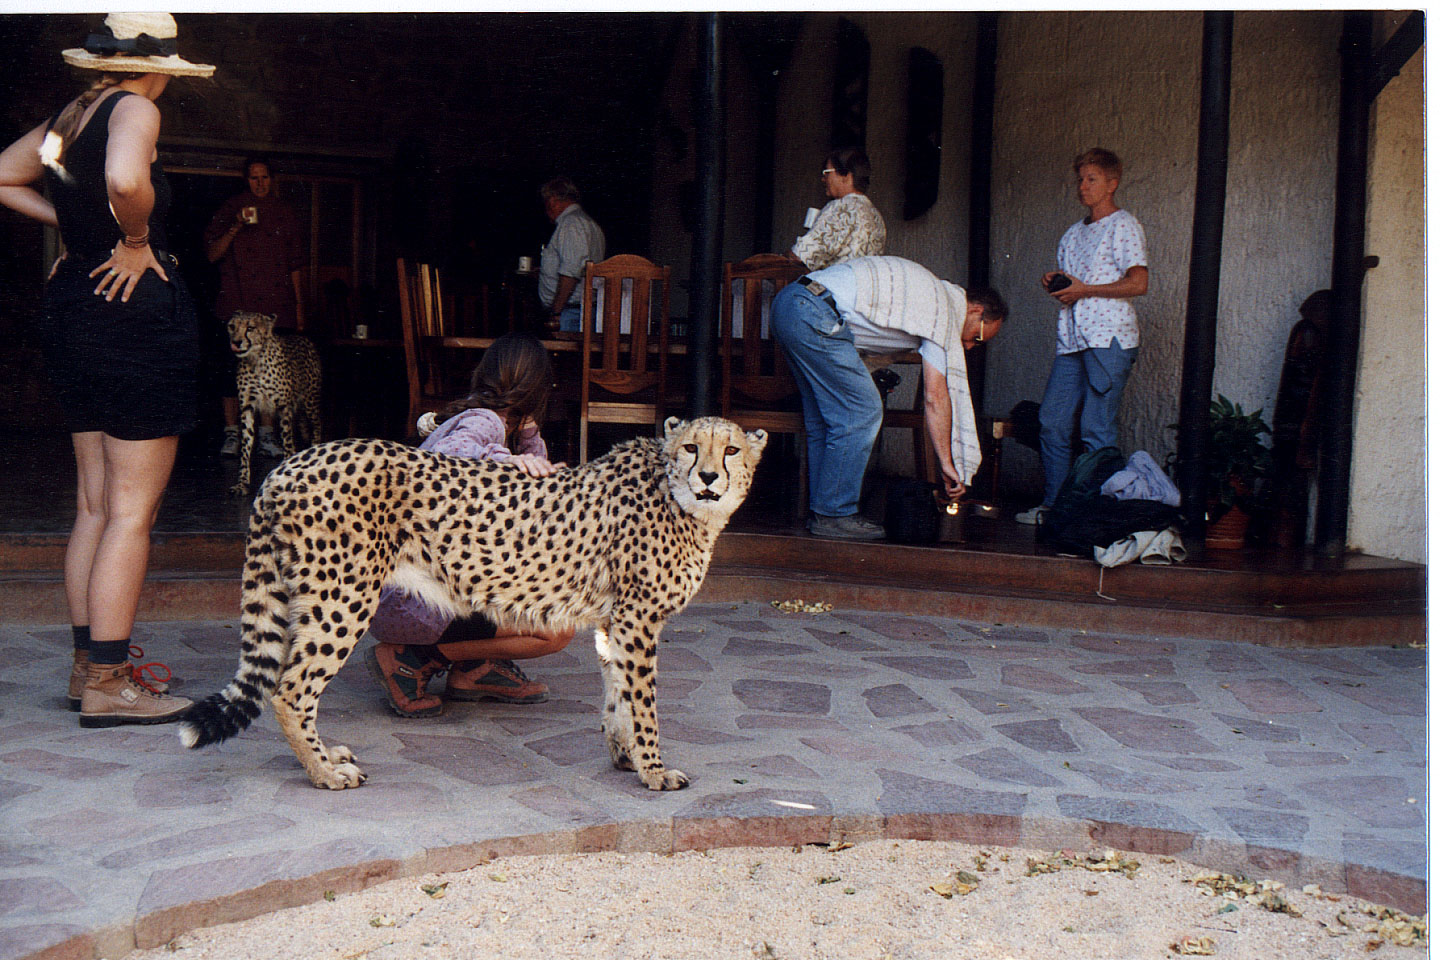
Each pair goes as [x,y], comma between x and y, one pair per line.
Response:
[135,243]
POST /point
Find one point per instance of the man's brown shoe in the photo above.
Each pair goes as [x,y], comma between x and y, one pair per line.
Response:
[403,672]
[493,680]
[112,696]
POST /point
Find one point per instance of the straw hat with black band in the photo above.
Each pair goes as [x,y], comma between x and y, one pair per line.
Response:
[135,43]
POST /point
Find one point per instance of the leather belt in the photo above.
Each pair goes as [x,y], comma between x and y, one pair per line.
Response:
[818,289]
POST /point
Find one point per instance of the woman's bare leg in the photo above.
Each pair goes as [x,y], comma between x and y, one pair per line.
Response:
[89,524]
[136,472]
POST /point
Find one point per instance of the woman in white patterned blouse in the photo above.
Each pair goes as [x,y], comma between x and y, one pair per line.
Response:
[849,226]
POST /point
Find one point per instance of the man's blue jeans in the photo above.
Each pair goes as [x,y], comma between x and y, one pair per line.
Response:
[841,404]
[570,318]
[1090,382]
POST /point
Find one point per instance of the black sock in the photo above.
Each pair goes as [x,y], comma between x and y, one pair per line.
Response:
[82,637]
[109,654]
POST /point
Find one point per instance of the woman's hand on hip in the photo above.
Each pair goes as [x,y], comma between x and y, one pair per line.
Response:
[124,269]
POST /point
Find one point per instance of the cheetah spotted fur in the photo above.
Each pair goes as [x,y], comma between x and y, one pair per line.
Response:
[277,373]
[619,544]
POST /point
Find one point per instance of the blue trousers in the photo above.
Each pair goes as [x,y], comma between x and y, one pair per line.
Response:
[842,406]
[1089,383]
[570,318]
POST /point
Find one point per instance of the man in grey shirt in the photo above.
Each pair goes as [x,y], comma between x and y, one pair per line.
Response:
[577,240]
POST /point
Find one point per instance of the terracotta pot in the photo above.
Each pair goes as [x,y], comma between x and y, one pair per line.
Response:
[1228,532]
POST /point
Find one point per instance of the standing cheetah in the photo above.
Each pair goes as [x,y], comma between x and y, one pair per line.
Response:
[621,544]
[277,374]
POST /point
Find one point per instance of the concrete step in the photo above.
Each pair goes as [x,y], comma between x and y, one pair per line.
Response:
[1279,601]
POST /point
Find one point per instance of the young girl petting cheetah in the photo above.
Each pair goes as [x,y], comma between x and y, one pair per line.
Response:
[496,420]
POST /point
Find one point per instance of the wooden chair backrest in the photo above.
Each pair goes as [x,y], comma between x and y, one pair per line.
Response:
[609,367]
[421,316]
[752,365]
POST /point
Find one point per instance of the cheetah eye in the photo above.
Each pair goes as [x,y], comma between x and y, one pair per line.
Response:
[731,451]
[691,448]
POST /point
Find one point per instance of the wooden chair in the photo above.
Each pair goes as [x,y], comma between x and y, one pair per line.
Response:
[623,363]
[756,387]
[422,323]
[926,466]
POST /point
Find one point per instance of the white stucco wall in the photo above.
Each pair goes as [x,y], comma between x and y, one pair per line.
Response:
[1387,492]
[1055,99]
[937,238]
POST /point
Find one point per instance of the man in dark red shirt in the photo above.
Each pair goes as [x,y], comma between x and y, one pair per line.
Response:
[256,240]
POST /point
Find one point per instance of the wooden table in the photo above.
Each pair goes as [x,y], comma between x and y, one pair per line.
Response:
[556,343]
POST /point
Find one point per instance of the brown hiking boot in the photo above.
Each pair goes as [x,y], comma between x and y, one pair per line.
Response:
[77,679]
[493,680]
[113,696]
[403,672]
[146,673]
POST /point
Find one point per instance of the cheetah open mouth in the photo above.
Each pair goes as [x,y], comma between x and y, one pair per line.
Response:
[707,495]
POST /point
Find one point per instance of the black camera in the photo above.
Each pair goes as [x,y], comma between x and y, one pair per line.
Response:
[1057,283]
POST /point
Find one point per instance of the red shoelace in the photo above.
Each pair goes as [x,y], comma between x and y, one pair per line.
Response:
[138,672]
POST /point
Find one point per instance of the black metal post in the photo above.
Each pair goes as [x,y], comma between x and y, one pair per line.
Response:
[1202,304]
[706,248]
[982,140]
[1337,376]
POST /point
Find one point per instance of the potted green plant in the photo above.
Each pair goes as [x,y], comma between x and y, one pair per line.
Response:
[1236,460]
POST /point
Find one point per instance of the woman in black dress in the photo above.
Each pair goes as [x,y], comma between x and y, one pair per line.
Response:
[119,336]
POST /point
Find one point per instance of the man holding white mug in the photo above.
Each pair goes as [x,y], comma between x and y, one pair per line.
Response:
[256,240]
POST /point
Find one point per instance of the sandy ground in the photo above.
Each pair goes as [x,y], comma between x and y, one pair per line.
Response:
[872,901]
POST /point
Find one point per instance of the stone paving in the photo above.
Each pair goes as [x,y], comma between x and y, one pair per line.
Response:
[1305,766]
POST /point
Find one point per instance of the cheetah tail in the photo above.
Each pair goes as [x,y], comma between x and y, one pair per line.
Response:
[265,635]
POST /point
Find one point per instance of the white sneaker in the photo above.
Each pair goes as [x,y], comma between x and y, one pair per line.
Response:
[231,446]
[267,446]
[1032,517]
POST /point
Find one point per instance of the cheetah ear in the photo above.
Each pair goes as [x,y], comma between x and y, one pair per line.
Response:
[758,438]
[270,319]
[671,425]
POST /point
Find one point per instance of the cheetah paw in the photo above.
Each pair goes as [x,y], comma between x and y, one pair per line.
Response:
[620,757]
[662,779]
[342,776]
[342,754]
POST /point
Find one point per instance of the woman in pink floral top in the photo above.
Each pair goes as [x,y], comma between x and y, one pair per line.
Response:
[414,642]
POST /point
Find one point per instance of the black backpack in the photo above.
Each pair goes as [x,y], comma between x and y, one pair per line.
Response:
[1082,518]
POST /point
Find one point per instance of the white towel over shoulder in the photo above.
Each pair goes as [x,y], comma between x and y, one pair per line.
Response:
[906,296]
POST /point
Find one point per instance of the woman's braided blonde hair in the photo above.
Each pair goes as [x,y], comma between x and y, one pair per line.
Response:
[67,124]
